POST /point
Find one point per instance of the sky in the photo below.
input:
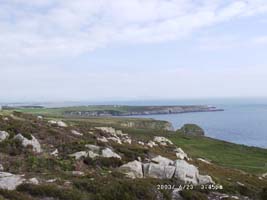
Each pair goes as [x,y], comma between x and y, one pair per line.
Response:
[101,50]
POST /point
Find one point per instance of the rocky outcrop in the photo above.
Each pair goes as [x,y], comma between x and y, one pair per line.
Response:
[95,151]
[108,153]
[162,141]
[159,171]
[10,181]
[58,123]
[165,168]
[133,169]
[3,135]
[186,172]
[162,160]
[33,142]
[180,154]
[192,130]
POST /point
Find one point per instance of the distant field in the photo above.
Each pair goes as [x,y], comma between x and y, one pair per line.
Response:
[112,110]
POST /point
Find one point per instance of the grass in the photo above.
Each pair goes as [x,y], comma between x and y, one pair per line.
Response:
[249,159]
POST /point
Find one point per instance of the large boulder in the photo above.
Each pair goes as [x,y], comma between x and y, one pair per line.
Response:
[162,160]
[33,142]
[132,169]
[159,171]
[186,172]
[3,135]
[10,181]
[192,130]
[108,153]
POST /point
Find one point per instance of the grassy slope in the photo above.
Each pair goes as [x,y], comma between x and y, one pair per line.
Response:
[249,159]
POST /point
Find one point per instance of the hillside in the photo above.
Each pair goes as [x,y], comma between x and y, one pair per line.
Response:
[113,110]
[45,157]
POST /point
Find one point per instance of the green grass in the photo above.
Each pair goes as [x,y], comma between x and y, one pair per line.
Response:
[249,159]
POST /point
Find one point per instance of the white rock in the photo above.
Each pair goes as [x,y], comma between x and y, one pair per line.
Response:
[264,175]
[186,172]
[141,143]
[127,141]
[33,181]
[92,154]
[102,139]
[204,179]
[74,132]
[159,171]
[53,122]
[79,155]
[10,181]
[162,141]
[107,130]
[62,124]
[77,173]
[39,117]
[51,180]
[26,142]
[151,144]
[1,168]
[5,119]
[3,135]
[108,153]
[115,139]
[132,169]
[162,160]
[204,161]
[58,123]
[54,153]
[92,147]
[180,154]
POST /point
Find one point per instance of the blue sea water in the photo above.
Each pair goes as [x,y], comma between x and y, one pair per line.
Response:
[242,122]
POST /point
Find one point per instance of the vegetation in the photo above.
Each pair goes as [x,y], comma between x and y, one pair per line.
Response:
[236,167]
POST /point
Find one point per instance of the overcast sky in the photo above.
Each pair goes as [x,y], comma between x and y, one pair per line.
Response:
[55,50]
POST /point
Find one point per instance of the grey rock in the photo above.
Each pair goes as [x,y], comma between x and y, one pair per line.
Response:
[186,172]
[3,135]
[132,169]
[159,171]
[10,181]
[26,142]
[162,160]
[108,153]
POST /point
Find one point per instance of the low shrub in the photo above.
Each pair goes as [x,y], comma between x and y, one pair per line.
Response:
[103,162]
[50,191]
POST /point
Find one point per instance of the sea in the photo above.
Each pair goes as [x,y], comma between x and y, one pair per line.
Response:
[243,121]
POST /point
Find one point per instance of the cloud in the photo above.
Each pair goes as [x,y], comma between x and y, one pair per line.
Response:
[47,28]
